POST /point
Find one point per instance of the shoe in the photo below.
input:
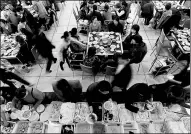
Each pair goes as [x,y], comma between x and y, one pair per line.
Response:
[61,66]
[49,71]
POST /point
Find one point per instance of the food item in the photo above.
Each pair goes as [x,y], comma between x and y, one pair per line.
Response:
[142,116]
[55,111]
[111,115]
[22,127]
[83,128]
[26,114]
[99,128]
[158,112]
[14,116]
[67,129]
[81,112]
[67,113]
[175,127]
[186,121]
[114,128]
[25,108]
[8,106]
[44,116]
[8,130]
[36,127]
[169,115]
[108,105]
[34,116]
[91,118]
[40,108]
[124,114]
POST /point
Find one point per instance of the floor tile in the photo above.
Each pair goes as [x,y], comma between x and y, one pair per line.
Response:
[66,73]
[148,44]
[32,80]
[61,29]
[54,68]
[148,56]
[143,34]
[35,70]
[137,79]
[152,42]
[57,37]
[152,35]
[135,69]
[45,84]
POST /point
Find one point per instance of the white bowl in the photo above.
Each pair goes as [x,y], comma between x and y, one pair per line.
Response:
[89,118]
[40,108]
[108,103]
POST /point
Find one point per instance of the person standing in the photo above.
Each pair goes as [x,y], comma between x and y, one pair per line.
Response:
[147,12]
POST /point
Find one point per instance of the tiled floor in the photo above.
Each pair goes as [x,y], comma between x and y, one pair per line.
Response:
[43,81]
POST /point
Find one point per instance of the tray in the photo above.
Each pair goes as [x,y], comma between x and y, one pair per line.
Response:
[38,125]
[81,111]
[111,115]
[130,127]
[8,130]
[55,110]
[98,128]
[124,114]
[52,128]
[83,128]
[151,127]
[186,121]
[68,129]
[67,111]
[21,127]
[114,128]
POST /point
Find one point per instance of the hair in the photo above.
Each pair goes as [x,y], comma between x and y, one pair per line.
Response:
[106,7]
[20,39]
[176,91]
[136,28]
[19,8]
[47,8]
[104,86]
[138,39]
[65,35]
[168,6]
[20,93]
[124,4]
[74,31]
[116,18]
[94,7]
[83,5]
[91,51]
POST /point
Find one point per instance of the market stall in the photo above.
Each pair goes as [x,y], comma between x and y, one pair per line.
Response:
[59,117]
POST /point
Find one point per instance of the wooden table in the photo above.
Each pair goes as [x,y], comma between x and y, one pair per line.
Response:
[113,44]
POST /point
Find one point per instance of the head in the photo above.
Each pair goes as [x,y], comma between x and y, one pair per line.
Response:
[48,8]
[94,19]
[19,10]
[73,32]
[175,93]
[106,7]
[21,93]
[91,51]
[104,87]
[19,39]
[135,29]
[66,36]
[136,39]
[94,7]
[116,20]
[124,4]
[168,6]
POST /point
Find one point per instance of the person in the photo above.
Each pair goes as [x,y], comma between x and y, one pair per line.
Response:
[185,20]
[7,28]
[24,52]
[30,21]
[113,62]
[168,12]
[3,114]
[107,15]
[147,12]
[7,76]
[29,37]
[83,11]
[76,45]
[138,50]
[95,13]
[170,93]
[116,26]
[8,93]
[24,96]
[123,71]
[122,13]
[95,26]
[41,42]
[91,60]
[22,24]
[100,91]
[51,14]
[39,7]
[67,91]
[134,31]
[137,93]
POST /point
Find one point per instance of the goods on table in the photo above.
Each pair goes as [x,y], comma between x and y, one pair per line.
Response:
[55,111]
[175,127]
[99,128]
[124,114]
[8,130]
[83,128]
[44,116]
[169,115]
[67,113]
[81,112]
[25,108]
[13,116]
[154,127]
[131,127]
[158,112]
[91,118]
[186,121]
[114,128]
[67,129]
[110,115]
[26,114]
[8,106]
[36,127]
[21,127]
[97,109]
[34,116]
[40,108]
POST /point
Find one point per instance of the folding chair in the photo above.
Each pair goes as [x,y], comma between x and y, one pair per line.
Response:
[88,70]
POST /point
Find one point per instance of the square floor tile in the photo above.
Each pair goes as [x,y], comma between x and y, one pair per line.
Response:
[144,35]
[61,29]
[146,66]
[152,34]
[45,84]
[148,56]
[35,70]
[157,80]
[147,42]
[32,80]
[54,68]
[152,42]
[135,69]
[57,37]
[57,45]
[66,73]
[137,79]
[64,22]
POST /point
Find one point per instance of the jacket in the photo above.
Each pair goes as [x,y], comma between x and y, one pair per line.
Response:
[148,8]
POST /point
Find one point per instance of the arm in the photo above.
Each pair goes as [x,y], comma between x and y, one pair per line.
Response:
[77,42]
[58,93]
[90,28]
[131,107]
[120,14]
[39,96]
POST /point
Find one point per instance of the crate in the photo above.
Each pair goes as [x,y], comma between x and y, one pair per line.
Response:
[32,125]
[19,126]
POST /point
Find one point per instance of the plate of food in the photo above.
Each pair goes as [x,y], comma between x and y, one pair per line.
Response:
[187,48]
[8,106]
[111,115]
[36,127]
[108,105]
[9,129]
[40,108]
[26,114]
[81,112]
[91,118]
[186,122]
[55,110]
[34,116]
[25,107]
[124,114]
[21,127]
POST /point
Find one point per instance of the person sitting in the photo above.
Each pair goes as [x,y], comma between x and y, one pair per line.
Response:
[95,13]
[113,62]
[83,11]
[24,96]
[98,92]
[137,93]
[185,21]
[116,26]
[22,24]
[122,11]
[134,31]
[67,91]
[7,28]
[168,12]
[91,60]
[75,45]
[107,15]
[95,26]
[138,50]
[25,53]
[147,11]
